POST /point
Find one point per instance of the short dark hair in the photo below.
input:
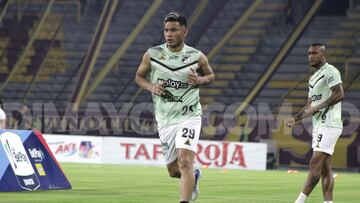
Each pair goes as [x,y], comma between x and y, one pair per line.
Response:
[321,46]
[317,44]
[177,17]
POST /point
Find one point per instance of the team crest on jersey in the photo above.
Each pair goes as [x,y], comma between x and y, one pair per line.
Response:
[162,56]
[186,59]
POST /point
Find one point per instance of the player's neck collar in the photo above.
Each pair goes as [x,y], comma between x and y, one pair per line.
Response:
[175,52]
[322,67]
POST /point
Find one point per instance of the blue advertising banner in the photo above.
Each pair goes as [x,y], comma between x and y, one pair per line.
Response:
[27,163]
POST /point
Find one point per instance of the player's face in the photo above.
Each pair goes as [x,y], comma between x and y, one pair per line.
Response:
[316,56]
[174,34]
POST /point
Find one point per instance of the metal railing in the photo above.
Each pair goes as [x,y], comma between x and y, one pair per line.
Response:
[307,75]
[28,46]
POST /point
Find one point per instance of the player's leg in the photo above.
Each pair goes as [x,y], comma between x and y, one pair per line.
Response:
[174,172]
[327,146]
[187,139]
[327,180]
[316,167]
[173,169]
[187,181]
[324,140]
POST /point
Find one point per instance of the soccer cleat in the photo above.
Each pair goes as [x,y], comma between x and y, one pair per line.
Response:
[195,193]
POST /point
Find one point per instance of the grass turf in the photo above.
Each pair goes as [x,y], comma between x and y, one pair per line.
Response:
[139,184]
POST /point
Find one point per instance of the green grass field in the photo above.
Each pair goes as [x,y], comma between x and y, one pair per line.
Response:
[132,184]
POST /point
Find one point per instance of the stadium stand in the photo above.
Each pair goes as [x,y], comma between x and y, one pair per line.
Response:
[49,71]
[336,32]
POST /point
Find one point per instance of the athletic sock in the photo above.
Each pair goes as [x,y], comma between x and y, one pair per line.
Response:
[301,199]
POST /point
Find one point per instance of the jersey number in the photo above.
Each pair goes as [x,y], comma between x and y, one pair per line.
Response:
[187,109]
[319,138]
[188,133]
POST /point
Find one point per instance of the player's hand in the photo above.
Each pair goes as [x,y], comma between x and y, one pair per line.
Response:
[290,122]
[158,89]
[193,78]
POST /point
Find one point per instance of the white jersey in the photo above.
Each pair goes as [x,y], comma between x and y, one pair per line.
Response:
[320,90]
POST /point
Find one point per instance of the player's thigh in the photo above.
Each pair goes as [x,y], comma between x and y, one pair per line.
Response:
[187,136]
[324,139]
[317,161]
[167,135]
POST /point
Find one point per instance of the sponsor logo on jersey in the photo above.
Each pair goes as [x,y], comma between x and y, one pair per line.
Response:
[316,97]
[173,84]
[170,97]
[173,57]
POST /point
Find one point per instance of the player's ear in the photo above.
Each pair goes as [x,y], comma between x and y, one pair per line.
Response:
[186,31]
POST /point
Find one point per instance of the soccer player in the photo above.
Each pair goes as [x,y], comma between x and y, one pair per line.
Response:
[2,116]
[173,72]
[325,94]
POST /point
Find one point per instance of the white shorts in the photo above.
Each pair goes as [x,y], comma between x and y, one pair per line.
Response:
[324,139]
[184,135]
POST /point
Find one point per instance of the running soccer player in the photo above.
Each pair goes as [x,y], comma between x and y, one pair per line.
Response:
[325,94]
[173,72]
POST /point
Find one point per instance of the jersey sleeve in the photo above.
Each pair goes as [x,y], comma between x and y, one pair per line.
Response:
[333,77]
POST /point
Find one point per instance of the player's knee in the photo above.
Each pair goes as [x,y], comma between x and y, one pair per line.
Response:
[316,166]
[173,170]
[315,177]
[315,172]
[185,164]
[174,173]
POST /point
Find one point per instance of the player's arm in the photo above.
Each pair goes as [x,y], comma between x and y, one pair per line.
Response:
[3,124]
[141,74]
[290,122]
[337,94]
[207,76]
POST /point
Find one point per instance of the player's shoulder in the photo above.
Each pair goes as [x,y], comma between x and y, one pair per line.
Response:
[191,50]
[157,48]
[157,52]
[330,69]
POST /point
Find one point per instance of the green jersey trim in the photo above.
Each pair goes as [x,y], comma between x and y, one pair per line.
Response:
[312,86]
[173,69]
